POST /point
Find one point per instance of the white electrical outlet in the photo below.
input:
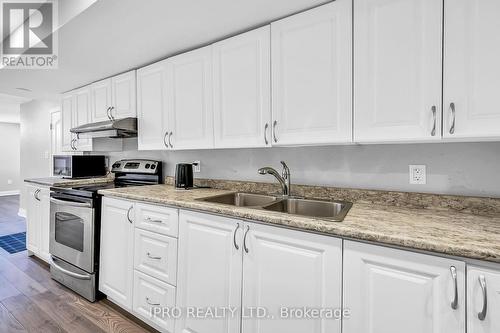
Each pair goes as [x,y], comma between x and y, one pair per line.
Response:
[196,166]
[418,175]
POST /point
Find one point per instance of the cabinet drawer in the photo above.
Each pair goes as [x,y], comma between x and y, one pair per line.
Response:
[156,255]
[151,293]
[162,220]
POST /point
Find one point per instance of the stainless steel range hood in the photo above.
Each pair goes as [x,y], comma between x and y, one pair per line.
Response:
[119,128]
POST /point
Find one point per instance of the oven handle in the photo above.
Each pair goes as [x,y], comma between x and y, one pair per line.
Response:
[71,203]
[70,273]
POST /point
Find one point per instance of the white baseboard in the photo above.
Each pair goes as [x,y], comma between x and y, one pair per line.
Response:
[7,193]
[22,212]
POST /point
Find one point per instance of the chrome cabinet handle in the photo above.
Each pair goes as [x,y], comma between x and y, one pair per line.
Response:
[482,282]
[245,239]
[454,303]
[153,257]
[107,112]
[165,139]
[148,219]
[128,214]
[234,236]
[452,127]
[265,133]
[275,123]
[111,113]
[170,140]
[72,144]
[433,131]
[152,304]
[36,194]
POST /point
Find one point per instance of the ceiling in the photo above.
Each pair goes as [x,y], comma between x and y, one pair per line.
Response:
[106,37]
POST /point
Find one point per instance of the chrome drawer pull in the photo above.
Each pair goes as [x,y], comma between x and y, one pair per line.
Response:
[152,304]
[482,282]
[153,257]
[148,219]
[454,303]
[128,214]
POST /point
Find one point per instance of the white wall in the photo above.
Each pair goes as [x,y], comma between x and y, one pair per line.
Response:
[452,168]
[10,180]
[35,140]
[9,113]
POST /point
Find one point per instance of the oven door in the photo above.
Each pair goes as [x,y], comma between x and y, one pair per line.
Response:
[72,230]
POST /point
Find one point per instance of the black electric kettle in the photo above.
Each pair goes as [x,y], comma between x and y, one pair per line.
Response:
[184,176]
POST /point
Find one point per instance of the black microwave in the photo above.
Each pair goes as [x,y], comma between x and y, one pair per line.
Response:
[79,166]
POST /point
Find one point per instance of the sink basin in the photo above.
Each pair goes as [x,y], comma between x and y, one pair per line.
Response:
[242,199]
[328,210]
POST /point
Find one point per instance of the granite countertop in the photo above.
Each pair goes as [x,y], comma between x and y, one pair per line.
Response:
[443,231]
[57,181]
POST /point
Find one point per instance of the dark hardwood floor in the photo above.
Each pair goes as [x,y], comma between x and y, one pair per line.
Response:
[30,301]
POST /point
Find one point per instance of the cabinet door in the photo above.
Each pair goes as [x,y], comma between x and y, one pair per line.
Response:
[82,105]
[242,91]
[124,96]
[482,311]
[397,70]
[286,269]
[311,76]
[67,107]
[190,99]
[101,100]
[151,107]
[44,218]
[471,69]
[209,272]
[394,291]
[117,251]
[32,220]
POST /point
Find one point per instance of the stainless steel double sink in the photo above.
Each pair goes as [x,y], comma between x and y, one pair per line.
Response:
[334,211]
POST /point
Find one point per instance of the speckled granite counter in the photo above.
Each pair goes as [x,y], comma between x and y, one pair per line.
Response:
[56,181]
[444,231]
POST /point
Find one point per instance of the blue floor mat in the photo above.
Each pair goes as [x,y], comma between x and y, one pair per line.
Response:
[13,243]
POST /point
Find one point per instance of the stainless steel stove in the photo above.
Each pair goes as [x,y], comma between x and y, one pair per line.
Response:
[75,221]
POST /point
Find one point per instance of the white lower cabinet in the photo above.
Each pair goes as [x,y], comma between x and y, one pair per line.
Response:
[278,267]
[210,268]
[117,251]
[38,221]
[483,300]
[150,293]
[394,291]
[285,270]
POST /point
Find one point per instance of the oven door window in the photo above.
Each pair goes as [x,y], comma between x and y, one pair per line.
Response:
[69,230]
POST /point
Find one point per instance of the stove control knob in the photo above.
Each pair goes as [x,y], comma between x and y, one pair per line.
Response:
[147,166]
[153,166]
[116,165]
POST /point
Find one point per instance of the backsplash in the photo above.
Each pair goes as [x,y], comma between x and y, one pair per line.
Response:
[474,205]
[452,168]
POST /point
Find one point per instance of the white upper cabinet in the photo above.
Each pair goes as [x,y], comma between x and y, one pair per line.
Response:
[483,300]
[189,100]
[123,90]
[394,291]
[83,116]
[101,100]
[397,70]
[471,69]
[311,76]
[114,98]
[290,269]
[242,101]
[151,107]
[67,109]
